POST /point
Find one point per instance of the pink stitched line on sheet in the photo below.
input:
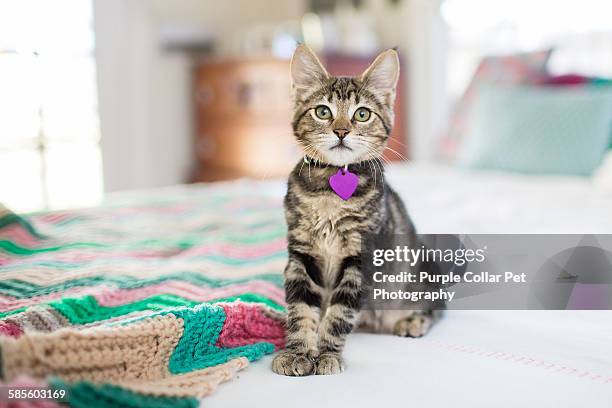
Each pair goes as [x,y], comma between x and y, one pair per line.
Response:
[524,360]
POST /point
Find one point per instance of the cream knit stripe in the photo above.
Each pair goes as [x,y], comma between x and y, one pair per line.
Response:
[20,317]
[13,303]
[187,290]
[198,383]
[39,318]
[138,351]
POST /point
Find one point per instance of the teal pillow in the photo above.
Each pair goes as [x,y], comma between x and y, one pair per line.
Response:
[539,130]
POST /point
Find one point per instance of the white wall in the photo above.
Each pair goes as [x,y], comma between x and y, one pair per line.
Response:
[143,99]
[144,92]
[428,110]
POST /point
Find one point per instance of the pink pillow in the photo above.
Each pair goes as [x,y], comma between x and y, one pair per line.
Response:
[565,80]
[516,69]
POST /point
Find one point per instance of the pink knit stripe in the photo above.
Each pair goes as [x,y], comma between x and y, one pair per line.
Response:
[54,217]
[238,251]
[18,235]
[179,208]
[251,203]
[10,329]
[190,291]
[246,324]
[6,298]
[81,255]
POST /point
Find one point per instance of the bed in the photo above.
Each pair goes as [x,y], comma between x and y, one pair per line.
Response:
[471,358]
[480,358]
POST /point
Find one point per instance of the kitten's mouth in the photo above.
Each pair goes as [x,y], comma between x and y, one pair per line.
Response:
[340,146]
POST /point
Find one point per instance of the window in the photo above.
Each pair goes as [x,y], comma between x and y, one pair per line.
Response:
[579,31]
[49,132]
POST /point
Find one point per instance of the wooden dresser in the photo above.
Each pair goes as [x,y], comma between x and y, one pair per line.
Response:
[243,116]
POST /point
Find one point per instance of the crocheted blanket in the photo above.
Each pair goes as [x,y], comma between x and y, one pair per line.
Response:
[151,300]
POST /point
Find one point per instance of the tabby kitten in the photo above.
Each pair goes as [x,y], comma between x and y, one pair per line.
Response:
[343,125]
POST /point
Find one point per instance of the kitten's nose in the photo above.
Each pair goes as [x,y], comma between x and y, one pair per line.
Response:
[341,133]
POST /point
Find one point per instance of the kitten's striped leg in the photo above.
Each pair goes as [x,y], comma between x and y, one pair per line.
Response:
[303,295]
[340,318]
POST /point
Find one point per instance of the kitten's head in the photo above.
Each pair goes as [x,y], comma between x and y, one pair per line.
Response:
[343,120]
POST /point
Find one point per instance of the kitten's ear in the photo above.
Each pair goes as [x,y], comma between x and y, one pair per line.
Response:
[383,74]
[306,69]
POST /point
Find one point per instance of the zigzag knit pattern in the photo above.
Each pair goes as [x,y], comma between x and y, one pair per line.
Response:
[151,300]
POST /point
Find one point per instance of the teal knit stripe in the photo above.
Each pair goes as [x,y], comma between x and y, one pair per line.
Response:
[11,218]
[196,348]
[87,395]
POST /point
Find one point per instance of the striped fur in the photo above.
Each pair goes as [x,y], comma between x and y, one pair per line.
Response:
[324,283]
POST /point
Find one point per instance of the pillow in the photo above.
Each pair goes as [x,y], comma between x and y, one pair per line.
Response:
[539,130]
[513,69]
[572,80]
[575,80]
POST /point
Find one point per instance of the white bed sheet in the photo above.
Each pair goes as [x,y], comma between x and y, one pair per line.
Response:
[471,358]
[443,199]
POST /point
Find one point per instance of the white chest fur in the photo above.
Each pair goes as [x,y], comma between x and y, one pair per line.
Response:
[322,214]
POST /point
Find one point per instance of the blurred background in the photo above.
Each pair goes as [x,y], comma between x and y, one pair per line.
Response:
[107,95]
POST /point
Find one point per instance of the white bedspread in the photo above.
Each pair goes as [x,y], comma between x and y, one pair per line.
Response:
[445,200]
[471,358]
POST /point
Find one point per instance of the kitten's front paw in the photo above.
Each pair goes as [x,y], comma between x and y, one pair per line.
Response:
[329,363]
[293,364]
[413,326]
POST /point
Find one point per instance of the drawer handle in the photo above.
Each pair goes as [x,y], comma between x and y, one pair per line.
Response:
[206,147]
[205,95]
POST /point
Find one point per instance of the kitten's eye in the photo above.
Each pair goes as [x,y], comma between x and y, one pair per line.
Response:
[362,115]
[323,112]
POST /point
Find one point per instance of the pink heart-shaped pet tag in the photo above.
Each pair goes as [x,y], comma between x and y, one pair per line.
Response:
[344,183]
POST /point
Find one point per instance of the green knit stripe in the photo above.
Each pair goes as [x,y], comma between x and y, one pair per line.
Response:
[87,309]
[12,312]
[12,248]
